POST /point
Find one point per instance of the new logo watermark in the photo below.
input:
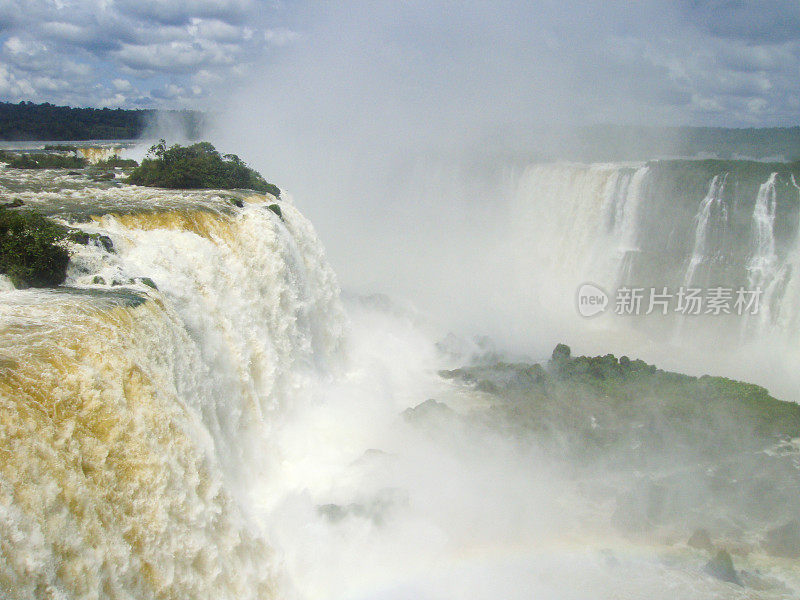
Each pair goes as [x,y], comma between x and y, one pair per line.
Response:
[592,300]
[633,301]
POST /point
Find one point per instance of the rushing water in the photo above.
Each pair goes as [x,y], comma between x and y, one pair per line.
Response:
[236,430]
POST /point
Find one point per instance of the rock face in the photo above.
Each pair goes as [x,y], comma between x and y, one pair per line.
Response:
[784,541]
[430,409]
[701,540]
[721,567]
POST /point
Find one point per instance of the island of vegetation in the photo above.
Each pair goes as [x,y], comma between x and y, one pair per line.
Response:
[198,166]
[42,160]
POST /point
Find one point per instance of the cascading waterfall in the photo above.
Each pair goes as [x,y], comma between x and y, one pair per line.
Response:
[673,224]
[788,317]
[581,221]
[626,230]
[764,270]
[192,415]
[713,214]
[136,421]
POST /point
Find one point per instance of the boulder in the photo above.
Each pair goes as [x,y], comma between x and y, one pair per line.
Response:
[701,540]
[721,567]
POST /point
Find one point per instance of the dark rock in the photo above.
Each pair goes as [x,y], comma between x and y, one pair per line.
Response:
[105,242]
[784,541]
[79,237]
[430,409]
[701,540]
[98,280]
[375,509]
[721,567]
[13,204]
[83,238]
[74,173]
[486,386]
[276,209]
[237,202]
[148,282]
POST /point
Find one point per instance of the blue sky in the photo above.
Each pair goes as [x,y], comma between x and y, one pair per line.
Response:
[677,62]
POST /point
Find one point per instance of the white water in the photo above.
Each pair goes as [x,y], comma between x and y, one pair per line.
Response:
[572,223]
[187,446]
[712,214]
[134,436]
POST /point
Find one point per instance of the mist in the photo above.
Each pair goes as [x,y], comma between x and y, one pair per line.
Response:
[412,136]
[395,127]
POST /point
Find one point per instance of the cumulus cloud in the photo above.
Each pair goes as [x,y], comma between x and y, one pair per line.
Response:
[692,61]
[155,47]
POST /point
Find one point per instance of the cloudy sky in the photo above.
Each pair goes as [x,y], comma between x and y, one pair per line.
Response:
[717,62]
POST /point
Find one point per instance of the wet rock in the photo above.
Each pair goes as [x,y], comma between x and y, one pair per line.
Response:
[430,409]
[721,567]
[276,209]
[375,509]
[98,280]
[105,242]
[148,282]
[701,540]
[83,238]
[784,541]
[486,386]
[13,204]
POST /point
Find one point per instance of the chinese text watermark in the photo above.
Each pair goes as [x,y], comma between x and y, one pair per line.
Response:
[593,300]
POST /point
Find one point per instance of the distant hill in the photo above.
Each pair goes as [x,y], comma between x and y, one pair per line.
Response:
[29,121]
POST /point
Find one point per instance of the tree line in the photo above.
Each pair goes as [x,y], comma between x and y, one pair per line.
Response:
[30,121]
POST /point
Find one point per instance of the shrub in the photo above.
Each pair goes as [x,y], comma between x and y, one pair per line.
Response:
[31,250]
[29,160]
[199,166]
[116,161]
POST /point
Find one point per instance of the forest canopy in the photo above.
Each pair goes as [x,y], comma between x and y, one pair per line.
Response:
[199,166]
[29,121]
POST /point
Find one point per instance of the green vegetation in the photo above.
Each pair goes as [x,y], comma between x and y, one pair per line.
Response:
[198,166]
[28,160]
[29,121]
[602,403]
[116,161]
[32,253]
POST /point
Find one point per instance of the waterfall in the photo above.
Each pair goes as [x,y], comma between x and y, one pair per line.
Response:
[712,212]
[626,234]
[643,226]
[136,420]
[582,222]
[764,269]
